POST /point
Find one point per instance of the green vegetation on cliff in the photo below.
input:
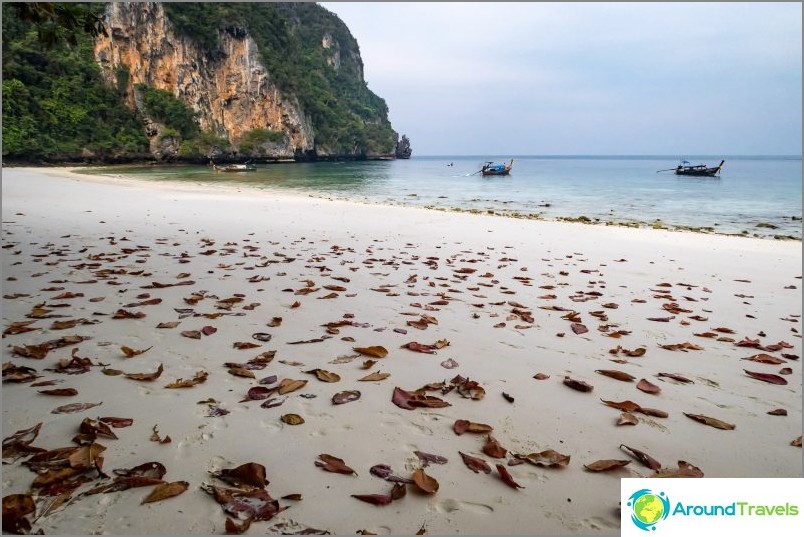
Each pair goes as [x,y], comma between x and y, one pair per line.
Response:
[55,104]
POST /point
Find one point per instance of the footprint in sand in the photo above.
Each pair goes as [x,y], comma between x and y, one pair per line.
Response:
[598,523]
[451,505]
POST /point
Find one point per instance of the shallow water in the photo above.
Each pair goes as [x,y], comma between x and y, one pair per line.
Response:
[753,196]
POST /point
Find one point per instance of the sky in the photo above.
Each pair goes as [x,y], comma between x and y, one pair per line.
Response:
[598,78]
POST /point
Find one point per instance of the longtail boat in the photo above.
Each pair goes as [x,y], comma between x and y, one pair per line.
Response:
[490,168]
[699,170]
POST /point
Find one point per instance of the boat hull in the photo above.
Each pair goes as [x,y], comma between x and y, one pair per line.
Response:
[495,172]
[698,173]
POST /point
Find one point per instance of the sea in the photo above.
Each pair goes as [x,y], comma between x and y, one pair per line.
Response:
[756,196]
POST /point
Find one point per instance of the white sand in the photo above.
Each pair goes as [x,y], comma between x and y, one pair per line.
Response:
[55,224]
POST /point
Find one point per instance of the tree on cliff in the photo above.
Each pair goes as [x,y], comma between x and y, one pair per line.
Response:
[59,21]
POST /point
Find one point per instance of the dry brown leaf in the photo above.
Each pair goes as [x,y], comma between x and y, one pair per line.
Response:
[616,374]
[712,422]
[493,448]
[147,377]
[626,418]
[606,465]
[164,491]
[129,352]
[464,426]
[475,464]
[292,419]
[333,464]
[376,376]
[345,397]
[579,385]
[199,377]
[549,457]
[74,407]
[290,385]
[648,387]
[374,352]
[642,457]
[324,376]
[424,482]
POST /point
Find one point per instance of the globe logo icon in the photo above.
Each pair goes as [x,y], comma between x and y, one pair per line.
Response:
[648,508]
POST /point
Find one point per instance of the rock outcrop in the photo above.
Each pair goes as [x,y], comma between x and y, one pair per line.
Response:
[231,91]
[403,149]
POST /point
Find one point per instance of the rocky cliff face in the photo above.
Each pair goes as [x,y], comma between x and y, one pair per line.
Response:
[232,92]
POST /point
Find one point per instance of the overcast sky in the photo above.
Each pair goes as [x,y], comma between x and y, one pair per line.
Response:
[585,78]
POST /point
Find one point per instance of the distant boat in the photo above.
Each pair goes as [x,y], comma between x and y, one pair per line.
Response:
[490,168]
[699,170]
[234,167]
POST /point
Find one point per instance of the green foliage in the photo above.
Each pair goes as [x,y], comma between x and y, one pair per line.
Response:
[57,22]
[164,107]
[55,103]
[251,141]
[206,145]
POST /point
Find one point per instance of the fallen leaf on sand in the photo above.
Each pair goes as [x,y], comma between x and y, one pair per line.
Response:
[626,418]
[606,465]
[464,426]
[424,482]
[712,422]
[292,419]
[129,352]
[493,448]
[166,490]
[333,464]
[549,458]
[345,397]
[374,352]
[475,464]
[147,377]
[250,473]
[374,499]
[616,374]
[74,407]
[290,385]
[324,376]
[410,400]
[579,385]
[642,457]
[648,387]
[506,477]
[375,376]
[766,377]
[199,377]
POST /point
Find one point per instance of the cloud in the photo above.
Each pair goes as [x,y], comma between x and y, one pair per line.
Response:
[585,77]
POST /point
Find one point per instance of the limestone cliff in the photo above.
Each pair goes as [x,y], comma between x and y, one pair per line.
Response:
[229,88]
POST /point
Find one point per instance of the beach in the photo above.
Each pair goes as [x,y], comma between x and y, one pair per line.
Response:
[539,347]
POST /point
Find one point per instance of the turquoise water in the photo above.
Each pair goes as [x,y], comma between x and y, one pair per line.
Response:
[754,196]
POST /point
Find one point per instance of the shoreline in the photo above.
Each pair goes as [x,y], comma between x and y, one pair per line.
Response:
[311,279]
[657,224]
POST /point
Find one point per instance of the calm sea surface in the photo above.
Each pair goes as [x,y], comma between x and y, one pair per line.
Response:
[753,195]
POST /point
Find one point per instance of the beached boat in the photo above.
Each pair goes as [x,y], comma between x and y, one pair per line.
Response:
[698,170]
[490,168]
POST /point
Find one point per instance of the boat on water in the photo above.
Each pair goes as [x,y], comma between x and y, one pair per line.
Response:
[247,167]
[490,168]
[698,170]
